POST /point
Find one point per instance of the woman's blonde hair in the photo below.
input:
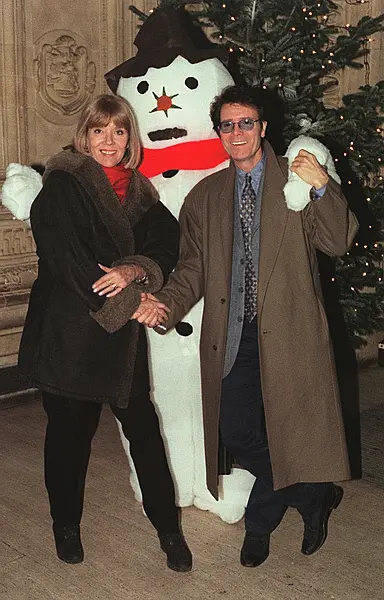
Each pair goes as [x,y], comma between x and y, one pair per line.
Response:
[98,113]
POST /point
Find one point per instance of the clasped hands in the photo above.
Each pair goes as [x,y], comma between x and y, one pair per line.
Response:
[151,312]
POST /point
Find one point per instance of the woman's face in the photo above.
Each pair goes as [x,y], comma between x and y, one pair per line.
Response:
[107,144]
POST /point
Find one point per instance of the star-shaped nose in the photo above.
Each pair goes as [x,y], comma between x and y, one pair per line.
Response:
[164,102]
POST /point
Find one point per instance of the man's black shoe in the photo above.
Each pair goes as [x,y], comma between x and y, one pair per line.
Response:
[255,549]
[316,525]
[68,543]
[179,557]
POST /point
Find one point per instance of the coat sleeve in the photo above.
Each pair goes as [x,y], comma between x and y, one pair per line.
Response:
[186,284]
[330,224]
[60,220]
[158,254]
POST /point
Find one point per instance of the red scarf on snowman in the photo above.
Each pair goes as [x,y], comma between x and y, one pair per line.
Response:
[187,156]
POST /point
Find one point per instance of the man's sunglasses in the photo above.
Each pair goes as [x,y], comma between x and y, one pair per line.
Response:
[246,124]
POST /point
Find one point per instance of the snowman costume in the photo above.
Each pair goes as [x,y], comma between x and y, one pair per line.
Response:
[170,84]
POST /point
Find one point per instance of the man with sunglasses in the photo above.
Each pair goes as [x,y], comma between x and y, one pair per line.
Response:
[270,393]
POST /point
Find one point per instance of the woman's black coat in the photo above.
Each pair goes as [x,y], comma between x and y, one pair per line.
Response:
[76,343]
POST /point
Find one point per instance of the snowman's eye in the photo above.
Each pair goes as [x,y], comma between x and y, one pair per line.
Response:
[191,83]
[143,87]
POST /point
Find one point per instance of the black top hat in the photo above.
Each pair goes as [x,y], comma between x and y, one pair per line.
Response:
[162,37]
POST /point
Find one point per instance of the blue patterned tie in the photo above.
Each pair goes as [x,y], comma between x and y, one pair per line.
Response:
[247,211]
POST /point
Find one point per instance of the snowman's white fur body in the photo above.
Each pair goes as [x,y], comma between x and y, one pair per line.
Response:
[174,359]
[176,392]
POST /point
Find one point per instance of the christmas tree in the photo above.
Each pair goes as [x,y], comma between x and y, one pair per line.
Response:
[295,50]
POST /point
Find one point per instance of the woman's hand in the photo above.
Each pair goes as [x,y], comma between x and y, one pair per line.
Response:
[116,279]
[151,312]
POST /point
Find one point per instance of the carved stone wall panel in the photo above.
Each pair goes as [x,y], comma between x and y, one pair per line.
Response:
[52,60]
[18,268]
[15,241]
[18,277]
[65,77]
[64,66]
[18,262]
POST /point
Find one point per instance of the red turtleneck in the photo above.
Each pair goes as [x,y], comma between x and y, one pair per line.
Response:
[119,178]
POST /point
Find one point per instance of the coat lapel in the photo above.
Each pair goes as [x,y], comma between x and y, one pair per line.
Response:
[140,197]
[273,220]
[110,210]
[226,200]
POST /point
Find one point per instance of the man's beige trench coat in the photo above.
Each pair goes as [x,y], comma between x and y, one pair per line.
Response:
[300,393]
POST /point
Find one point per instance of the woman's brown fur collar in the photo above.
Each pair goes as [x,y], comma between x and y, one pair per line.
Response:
[141,193]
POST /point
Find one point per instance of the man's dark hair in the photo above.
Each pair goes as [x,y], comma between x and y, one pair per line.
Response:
[237,94]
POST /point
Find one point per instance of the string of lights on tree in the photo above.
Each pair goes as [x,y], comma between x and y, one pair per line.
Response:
[298,49]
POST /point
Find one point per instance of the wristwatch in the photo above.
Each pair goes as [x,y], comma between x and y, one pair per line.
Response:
[142,280]
[313,195]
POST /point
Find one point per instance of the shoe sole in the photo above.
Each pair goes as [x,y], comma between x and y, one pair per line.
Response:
[73,561]
[337,500]
[258,559]
[178,569]
[253,564]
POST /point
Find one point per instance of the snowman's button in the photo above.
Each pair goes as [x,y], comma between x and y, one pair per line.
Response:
[183,328]
[170,173]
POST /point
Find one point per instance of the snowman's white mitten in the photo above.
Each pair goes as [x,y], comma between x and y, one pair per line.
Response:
[296,190]
[20,188]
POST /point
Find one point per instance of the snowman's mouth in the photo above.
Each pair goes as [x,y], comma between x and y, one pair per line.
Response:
[166,134]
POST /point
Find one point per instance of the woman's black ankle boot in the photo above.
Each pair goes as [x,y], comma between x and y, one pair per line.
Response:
[68,543]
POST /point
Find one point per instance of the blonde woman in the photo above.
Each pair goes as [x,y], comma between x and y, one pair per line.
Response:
[97,219]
